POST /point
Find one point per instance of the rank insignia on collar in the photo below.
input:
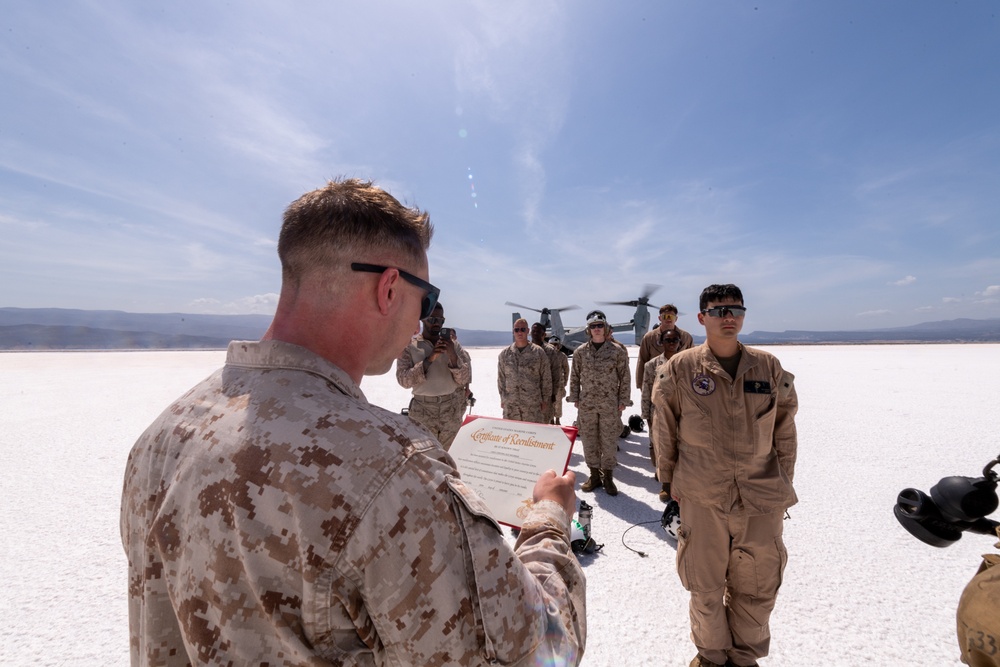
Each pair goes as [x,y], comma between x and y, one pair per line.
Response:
[703,385]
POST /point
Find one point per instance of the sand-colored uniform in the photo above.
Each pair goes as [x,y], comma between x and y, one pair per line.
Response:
[978,615]
[559,380]
[728,447]
[524,380]
[439,393]
[649,347]
[649,374]
[273,516]
[599,382]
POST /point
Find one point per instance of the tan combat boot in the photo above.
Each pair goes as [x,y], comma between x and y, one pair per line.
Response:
[609,483]
[593,481]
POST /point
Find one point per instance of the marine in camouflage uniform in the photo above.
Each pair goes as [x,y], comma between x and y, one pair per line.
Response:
[524,378]
[272,516]
[560,379]
[538,338]
[600,387]
[438,371]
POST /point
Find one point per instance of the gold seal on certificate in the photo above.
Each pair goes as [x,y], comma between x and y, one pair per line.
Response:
[502,460]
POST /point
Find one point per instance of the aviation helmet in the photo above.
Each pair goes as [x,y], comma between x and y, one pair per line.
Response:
[671,519]
[596,316]
[636,423]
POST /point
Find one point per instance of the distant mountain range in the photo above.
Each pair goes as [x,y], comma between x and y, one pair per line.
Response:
[66,329]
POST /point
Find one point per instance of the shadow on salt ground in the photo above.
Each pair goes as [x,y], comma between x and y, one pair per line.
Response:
[632,518]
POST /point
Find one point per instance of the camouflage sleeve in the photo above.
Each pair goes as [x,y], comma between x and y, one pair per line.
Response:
[462,375]
[408,374]
[543,545]
[574,379]
[441,585]
[545,370]
[624,378]
[502,377]
[649,375]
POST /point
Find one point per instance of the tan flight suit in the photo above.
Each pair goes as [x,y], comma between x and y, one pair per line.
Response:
[599,382]
[978,615]
[439,393]
[272,515]
[649,347]
[727,447]
[649,374]
[524,380]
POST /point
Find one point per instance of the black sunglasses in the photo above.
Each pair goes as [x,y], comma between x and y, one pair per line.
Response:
[721,311]
[431,293]
[520,329]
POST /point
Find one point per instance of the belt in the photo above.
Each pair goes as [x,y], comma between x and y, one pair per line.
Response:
[437,399]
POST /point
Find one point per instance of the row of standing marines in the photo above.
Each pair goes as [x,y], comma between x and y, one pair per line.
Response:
[272,515]
[532,375]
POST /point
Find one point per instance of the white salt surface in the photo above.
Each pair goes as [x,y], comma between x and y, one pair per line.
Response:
[858,589]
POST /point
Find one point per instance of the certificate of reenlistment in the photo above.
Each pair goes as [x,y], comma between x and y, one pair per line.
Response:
[503,459]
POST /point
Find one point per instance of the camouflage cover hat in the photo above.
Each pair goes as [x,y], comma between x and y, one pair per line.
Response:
[596,316]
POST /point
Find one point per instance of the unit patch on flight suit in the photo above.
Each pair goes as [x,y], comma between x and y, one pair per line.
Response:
[756,387]
[703,385]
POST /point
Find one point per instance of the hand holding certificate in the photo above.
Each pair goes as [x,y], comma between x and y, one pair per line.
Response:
[504,461]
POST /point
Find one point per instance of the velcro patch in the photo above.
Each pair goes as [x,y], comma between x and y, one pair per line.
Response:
[756,387]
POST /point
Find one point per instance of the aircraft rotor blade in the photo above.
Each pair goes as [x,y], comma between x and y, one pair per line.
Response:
[517,305]
[647,291]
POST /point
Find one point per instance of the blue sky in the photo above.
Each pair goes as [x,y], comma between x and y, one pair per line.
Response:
[840,161]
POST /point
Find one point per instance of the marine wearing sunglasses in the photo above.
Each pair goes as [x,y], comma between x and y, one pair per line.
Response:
[431,293]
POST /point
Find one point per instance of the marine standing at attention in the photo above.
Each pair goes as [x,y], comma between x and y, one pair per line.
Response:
[524,378]
[600,387]
[724,421]
[272,515]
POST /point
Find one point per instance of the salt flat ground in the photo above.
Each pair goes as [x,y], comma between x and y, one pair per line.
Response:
[858,589]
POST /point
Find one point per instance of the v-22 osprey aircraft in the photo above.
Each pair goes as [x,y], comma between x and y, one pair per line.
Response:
[573,337]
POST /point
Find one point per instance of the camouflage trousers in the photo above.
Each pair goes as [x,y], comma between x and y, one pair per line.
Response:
[441,415]
[524,412]
[599,430]
[558,404]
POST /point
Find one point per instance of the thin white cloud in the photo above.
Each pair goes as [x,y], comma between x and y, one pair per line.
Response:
[874,313]
[908,280]
[258,304]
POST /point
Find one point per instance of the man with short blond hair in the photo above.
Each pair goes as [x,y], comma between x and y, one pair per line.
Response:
[272,515]
[524,378]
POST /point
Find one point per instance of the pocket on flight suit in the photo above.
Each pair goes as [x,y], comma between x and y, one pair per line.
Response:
[744,570]
[696,424]
[763,426]
[687,566]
